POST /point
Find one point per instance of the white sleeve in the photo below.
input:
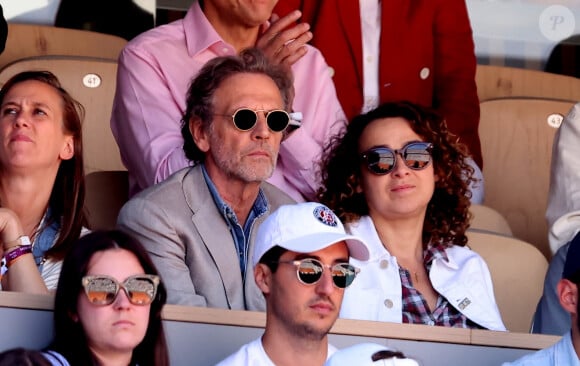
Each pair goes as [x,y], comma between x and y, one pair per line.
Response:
[563,212]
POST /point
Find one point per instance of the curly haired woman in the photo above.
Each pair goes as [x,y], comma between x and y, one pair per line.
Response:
[399,179]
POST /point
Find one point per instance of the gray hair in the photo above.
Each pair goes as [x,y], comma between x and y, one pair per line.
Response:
[212,75]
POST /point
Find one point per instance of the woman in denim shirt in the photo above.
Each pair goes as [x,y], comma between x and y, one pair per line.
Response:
[42,185]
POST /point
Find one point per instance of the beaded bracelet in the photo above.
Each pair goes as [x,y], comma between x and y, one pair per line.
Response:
[17,253]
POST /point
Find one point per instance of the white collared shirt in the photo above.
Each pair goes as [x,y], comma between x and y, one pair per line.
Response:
[370,15]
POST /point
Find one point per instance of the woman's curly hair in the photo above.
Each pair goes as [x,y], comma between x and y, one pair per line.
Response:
[447,217]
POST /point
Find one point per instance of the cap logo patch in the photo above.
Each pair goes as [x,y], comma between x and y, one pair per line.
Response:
[325,216]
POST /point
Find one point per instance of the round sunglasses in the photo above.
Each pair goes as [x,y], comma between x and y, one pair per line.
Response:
[103,290]
[309,271]
[382,160]
[246,119]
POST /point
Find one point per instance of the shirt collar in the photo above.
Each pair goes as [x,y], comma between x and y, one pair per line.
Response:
[259,207]
[222,207]
[201,36]
[433,252]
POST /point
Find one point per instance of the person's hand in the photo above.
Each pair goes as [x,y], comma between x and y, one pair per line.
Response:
[10,228]
[283,42]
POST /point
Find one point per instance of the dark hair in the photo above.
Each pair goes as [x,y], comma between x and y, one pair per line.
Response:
[203,87]
[447,216]
[68,190]
[386,354]
[23,357]
[564,58]
[272,256]
[70,339]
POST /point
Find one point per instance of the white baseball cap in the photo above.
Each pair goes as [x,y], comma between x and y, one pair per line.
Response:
[304,228]
[361,355]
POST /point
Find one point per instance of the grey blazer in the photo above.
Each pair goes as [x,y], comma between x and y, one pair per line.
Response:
[190,243]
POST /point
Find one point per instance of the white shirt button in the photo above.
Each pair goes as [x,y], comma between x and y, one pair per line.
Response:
[430,322]
[370,59]
[388,303]
[424,74]
[384,264]
[331,71]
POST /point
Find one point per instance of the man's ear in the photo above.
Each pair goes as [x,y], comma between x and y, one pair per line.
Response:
[199,133]
[263,277]
[568,295]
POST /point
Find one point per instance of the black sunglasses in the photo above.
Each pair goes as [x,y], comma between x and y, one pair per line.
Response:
[245,119]
[382,160]
[309,271]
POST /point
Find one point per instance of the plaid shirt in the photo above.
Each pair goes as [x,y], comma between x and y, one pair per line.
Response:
[415,308]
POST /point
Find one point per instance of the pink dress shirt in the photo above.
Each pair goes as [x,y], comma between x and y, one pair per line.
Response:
[153,76]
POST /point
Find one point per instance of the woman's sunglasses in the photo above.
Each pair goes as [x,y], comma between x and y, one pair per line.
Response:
[245,119]
[309,272]
[382,160]
[103,290]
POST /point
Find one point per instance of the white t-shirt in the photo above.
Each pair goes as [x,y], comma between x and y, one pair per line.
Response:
[253,354]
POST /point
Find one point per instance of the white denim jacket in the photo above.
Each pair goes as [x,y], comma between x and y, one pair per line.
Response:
[376,292]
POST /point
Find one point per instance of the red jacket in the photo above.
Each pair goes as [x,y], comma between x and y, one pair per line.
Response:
[427,56]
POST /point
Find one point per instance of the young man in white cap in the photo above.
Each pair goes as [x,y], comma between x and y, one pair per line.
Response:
[301,265]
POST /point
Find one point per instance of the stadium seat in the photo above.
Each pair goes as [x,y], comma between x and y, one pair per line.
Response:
[489,220]
[517,271]
[92,82]
[516,138]
[31,40]
[107,192]
[501,82]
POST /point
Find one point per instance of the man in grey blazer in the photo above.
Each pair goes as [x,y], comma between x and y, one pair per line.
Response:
[199,224]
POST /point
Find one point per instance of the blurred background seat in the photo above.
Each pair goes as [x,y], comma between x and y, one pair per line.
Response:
[489,220]
[516,138]
[501,81]
[92,82]
[31,40]
[107,192]
[517,270]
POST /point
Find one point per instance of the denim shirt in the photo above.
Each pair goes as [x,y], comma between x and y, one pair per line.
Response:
[240,235]
[44,239]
